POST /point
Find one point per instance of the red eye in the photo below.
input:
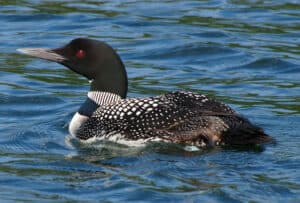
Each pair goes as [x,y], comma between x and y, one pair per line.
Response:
[80,54]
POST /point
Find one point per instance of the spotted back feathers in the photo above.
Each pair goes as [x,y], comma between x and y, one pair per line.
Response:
[180,117]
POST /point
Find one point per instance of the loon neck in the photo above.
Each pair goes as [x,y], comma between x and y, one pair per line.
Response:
[110,75]
[110,84]
[96,99]
[103,98]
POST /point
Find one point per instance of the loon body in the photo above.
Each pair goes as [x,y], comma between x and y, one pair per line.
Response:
[176,117]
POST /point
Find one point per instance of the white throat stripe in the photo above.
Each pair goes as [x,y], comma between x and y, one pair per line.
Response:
[103,98]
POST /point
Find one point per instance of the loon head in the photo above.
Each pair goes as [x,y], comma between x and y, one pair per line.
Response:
[95,60]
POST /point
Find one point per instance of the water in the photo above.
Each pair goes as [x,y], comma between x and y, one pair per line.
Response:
[245,53]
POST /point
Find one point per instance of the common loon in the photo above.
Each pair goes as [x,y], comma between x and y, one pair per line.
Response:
[179,117]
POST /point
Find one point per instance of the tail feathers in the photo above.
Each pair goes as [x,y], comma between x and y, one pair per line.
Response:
[246,135]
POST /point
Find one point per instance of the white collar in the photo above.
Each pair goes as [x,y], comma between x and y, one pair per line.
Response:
[103,98]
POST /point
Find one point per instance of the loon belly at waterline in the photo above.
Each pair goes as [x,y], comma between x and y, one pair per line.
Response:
[177,117]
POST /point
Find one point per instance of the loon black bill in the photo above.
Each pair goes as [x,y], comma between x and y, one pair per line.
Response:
[43,53]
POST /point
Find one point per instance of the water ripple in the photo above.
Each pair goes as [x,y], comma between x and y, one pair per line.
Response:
[245,53]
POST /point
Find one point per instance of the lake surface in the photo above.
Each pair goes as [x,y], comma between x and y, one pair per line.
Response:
[245,53]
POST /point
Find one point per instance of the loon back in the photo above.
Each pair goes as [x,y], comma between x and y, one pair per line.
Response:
[176,117]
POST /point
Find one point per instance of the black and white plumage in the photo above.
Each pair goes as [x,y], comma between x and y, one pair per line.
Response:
[176,117]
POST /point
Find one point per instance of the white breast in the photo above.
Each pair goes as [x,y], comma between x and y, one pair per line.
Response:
[77,121]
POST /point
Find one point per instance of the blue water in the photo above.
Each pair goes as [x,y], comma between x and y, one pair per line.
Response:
[245,53]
